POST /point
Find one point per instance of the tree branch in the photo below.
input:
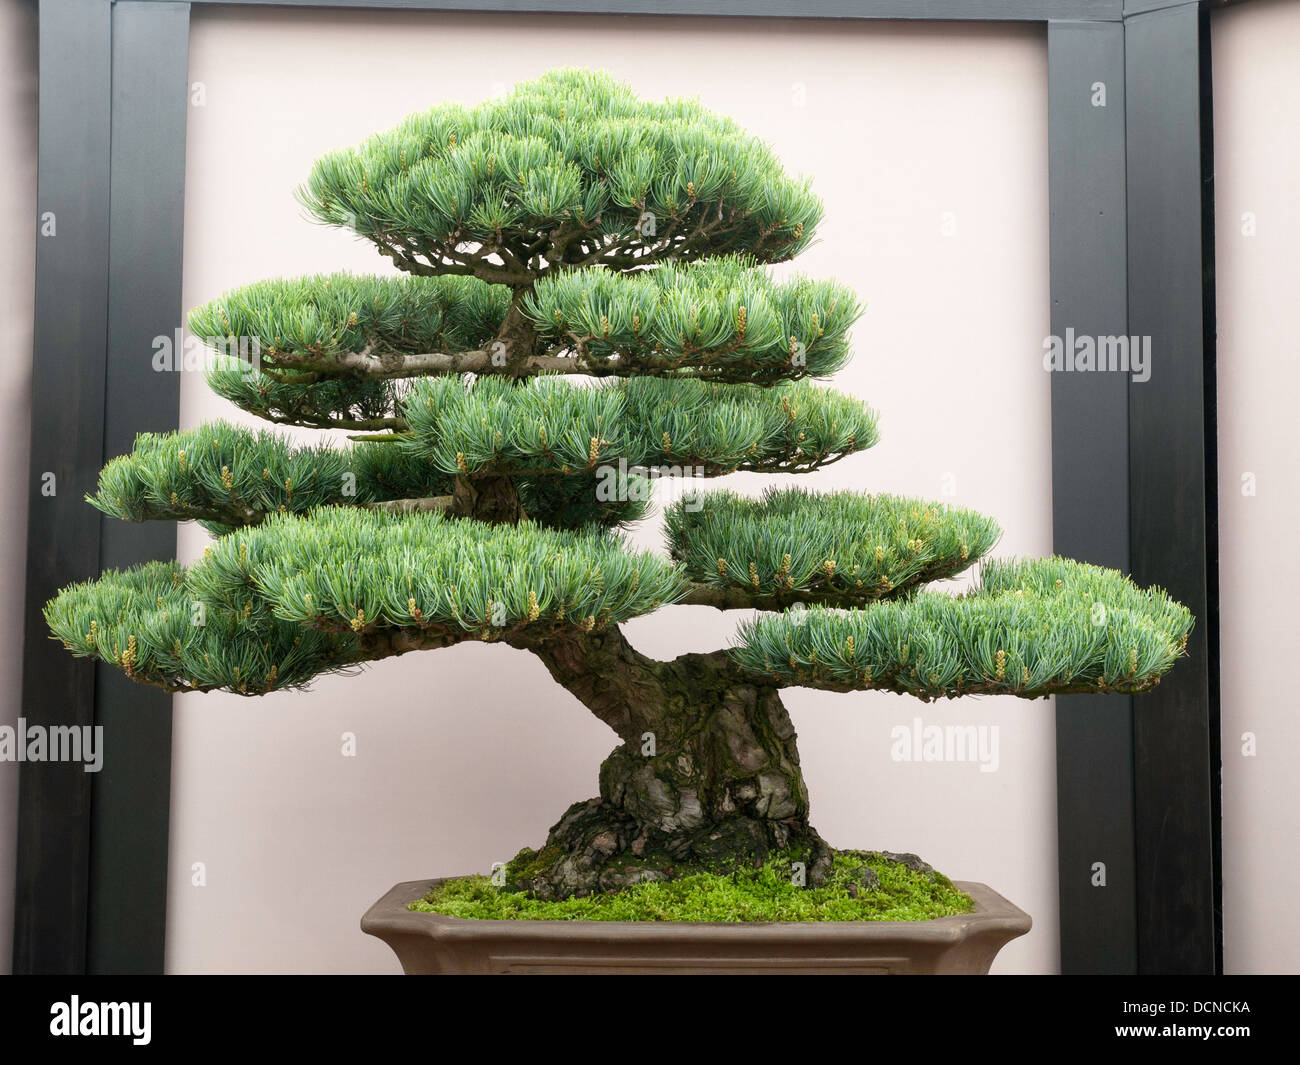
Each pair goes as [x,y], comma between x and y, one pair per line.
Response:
[367,365]
[735,597]
[437,504]
[605,673]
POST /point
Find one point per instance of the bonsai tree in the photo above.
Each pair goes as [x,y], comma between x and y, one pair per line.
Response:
[583,304]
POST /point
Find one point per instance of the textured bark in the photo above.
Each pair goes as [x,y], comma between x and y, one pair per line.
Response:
[491,498]
[707,775]
[516,340]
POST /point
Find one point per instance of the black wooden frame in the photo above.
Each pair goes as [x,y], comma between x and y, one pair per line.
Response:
[1133,464]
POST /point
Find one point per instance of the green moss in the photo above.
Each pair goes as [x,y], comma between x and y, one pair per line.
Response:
[763,894]
[529,863]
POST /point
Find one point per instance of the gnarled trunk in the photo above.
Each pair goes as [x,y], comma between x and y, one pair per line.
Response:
[707,774]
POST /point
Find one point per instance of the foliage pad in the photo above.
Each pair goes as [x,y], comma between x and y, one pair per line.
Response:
[547,425]
[348,569]
[1034,628]
[837,546]
[574,151]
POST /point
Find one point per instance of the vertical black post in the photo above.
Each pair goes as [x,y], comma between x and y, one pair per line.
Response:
[72,234]
[131,795]
[1090,487]
[1172,470]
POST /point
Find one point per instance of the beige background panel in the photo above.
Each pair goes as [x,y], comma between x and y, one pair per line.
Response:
[929,145]
[1257,219]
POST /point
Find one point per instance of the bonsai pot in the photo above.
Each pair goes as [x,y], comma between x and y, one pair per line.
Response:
[434,943]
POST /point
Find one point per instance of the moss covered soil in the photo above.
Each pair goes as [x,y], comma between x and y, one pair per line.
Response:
[766,893]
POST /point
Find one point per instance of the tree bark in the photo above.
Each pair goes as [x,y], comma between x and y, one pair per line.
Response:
[707,775]
[492,498]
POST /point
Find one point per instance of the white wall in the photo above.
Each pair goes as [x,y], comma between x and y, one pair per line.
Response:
[900,125]
[17,287]
[1257,173]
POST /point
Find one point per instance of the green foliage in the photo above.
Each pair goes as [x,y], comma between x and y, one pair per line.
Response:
[385,472]
[153,624]
[726,318]
[1088,585]
[338,314]
[763,894]
[840,546]
[566,166]
[573,502]
[218,473]
[225,477]
[326,403]
[635,236]
[270,607]
[351,569]
[1035,627]
[548,425]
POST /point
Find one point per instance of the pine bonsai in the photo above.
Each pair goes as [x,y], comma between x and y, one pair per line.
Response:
[585,305]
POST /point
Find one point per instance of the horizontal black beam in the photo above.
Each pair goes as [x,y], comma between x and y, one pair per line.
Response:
[910,10]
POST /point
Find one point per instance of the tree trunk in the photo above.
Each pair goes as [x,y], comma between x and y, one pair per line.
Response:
[494,498]
[486,497]
[516,339]
[707,775]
